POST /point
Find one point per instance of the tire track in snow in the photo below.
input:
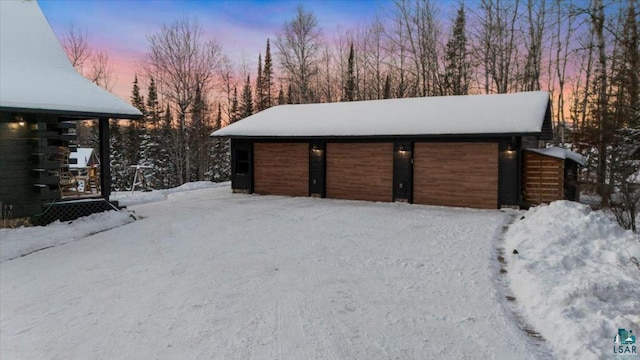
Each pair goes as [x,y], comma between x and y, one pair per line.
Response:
[292,343]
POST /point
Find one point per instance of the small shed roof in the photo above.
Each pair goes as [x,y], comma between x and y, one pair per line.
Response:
[517,113]
[560,153]
[36,75]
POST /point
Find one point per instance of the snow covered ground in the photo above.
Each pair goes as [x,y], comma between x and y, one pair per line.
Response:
[207,274]
[213,275]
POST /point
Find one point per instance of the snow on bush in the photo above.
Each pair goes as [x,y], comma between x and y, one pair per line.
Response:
[573,277]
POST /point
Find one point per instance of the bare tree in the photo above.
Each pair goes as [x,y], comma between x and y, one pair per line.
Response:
[101,71]
[562,40]
[76,45]
[180,60]
[373,57]
[298,51]
[228,82]
[536,23]
[601,114]
[496,44]
[399,58]
[326,78]
[422,31]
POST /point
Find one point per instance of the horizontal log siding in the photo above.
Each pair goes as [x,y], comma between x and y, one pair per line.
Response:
[542,178]
[360,171]
[456,174]
[281,168]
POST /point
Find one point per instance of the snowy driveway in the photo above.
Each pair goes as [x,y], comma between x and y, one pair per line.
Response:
[211,275]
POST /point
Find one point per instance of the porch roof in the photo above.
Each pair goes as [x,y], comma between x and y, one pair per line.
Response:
[37,76]
[560,153]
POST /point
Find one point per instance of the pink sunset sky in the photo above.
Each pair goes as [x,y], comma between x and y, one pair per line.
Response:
[120,27]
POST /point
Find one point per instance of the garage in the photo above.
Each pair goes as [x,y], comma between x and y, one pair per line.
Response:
[281,168]
[456,174]
[463,151]
[360,171]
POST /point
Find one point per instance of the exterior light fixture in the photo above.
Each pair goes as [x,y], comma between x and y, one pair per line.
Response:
[402,149]
[510,151]
[315,149]
[17,123]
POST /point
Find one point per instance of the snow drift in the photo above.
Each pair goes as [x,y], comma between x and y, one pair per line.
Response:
[573,277]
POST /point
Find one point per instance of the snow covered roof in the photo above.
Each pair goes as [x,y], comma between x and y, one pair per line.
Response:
[560,153]
[517,113]
[82,156]
[36,74]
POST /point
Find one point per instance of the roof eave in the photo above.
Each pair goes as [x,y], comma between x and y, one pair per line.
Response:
[71,114]
[375,137]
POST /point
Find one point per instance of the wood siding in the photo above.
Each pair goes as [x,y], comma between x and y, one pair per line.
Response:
[281,168]
[542,178]
[360,171]
[456,174]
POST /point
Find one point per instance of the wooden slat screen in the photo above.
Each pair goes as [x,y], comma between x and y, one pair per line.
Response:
[542,178]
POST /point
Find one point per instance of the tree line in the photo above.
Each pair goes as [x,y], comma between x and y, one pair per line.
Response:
[585,53]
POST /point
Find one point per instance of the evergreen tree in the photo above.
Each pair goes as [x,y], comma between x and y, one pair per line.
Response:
[153,106]
[132,135]
[200,146]
[386,94]
[218,123]
[259,87]
[119,163]
[151,151]
[457,67]
[234,116]
[220,153]
[246,102]
[267,78]
[137,100]
[350,86]
[290,95]
[131,143]
[281,98]
[165,166]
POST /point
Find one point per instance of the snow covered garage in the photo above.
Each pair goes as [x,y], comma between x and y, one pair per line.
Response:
[452,151]
[41,98]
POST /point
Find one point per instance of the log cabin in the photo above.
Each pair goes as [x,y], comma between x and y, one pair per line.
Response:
[42,97]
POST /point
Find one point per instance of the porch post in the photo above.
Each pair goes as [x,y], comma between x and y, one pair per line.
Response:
[105,157]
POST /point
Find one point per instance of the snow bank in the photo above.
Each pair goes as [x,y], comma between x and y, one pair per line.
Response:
[573,278]
[18,242]
[127,198]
